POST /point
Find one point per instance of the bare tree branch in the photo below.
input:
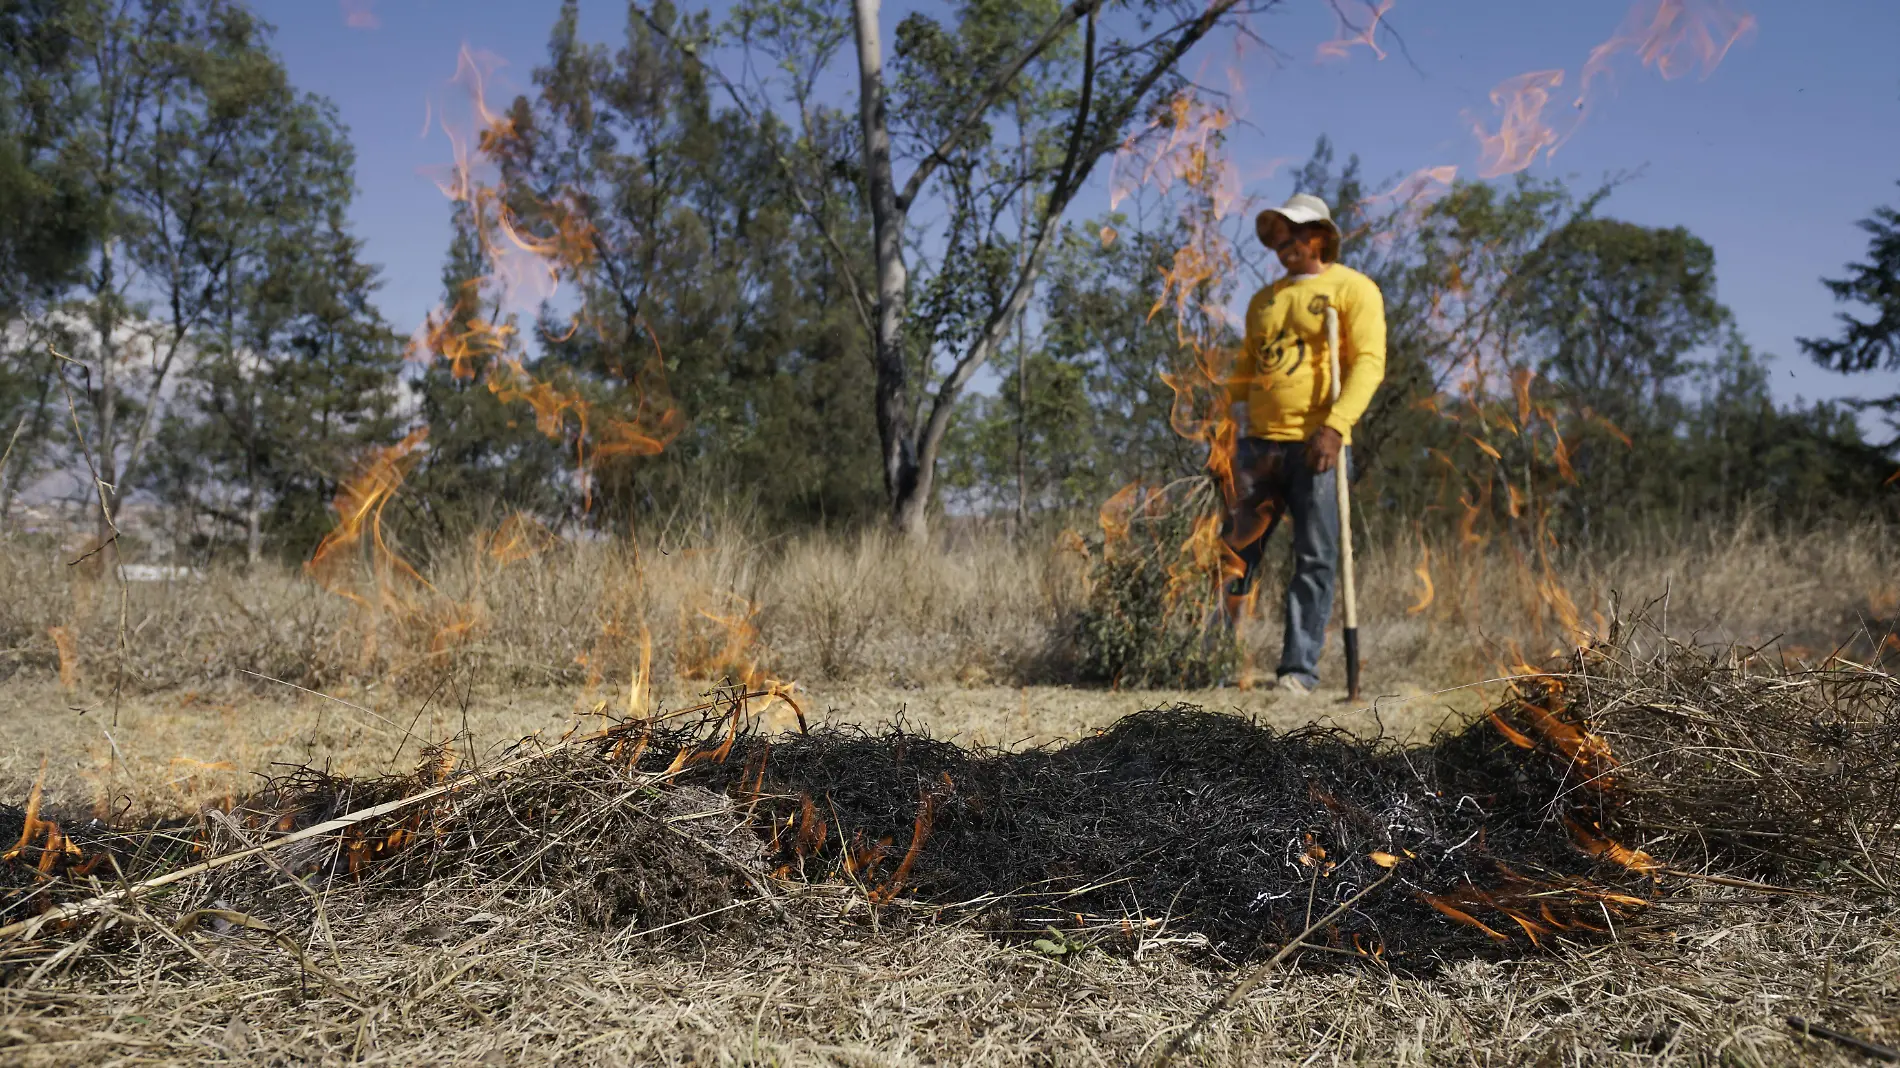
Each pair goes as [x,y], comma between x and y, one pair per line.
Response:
[999,86]
[1079,161]
[1004,316]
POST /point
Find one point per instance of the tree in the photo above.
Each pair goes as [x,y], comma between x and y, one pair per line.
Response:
[1037,433]
[1001,106]
[485,455]
[1872,343]
[295,380]
[1616,310]
[293,370]
[48,219]
[1095,415]
[186,103]
[1736,449]
[678,249]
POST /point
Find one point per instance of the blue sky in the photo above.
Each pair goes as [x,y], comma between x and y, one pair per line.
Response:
[1770,158]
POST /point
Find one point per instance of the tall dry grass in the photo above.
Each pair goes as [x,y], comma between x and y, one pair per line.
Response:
[864,606]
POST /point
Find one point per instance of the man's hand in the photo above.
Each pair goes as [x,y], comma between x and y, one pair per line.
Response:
[1322,450]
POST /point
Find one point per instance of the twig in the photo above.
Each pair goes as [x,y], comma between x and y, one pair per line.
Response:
[82,908]
[100,486]
[8,455]
[326,697]
[741,903]
[751,878]
[1260,971]
[94,551]
[1872,1049]
[316,899]
[1740,884]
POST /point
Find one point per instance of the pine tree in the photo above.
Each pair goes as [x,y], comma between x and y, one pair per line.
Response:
[1872,343]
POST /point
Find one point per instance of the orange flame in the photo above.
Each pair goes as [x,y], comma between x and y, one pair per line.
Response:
[1614,430]
[725,650]
[360,14]
[640,682]
[1537,907]
[1351,37]
[31,815]
[1521,378]
[1598,846]
[359,504]
[1190,154]
[68,651]
[55,846]
[531,245]
[1424,573]
[1672,36]
[1522,132]
[1413,191]
[1443,903]
[926,812]
[519,537]
[1117,514]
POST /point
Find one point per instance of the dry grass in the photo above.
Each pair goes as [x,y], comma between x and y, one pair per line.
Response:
[176,751]
[866,609]
[419,985]
[862,607]
[446,974]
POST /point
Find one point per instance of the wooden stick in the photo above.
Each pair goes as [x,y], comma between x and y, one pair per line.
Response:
[1741,884]
[94,904]
[1342,490]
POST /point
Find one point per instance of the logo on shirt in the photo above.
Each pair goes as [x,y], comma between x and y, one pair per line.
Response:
[1288,346]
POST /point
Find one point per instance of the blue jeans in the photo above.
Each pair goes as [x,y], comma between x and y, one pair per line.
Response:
[1272,479]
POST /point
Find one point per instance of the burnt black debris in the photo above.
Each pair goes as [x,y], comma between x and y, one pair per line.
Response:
[1198,820]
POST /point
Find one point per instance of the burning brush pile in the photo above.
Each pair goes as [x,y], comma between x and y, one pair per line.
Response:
[1561,814]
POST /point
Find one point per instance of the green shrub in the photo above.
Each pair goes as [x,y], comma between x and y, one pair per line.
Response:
[1137,627]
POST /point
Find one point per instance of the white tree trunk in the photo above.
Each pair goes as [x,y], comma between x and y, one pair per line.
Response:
[905,484]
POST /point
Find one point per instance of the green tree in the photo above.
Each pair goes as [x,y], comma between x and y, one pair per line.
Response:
[1095,414]
[47,217]
[1032,439]
[184,102]
[1871,343]
[295,380]
[1617,316]
[1737,449]
[48,220]
[485,456]
[1616,310]
[685,249]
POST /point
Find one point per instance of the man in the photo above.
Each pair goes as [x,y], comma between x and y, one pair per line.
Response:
[1289,430]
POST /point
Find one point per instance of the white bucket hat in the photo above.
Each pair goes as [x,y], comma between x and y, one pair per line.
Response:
[1302,208]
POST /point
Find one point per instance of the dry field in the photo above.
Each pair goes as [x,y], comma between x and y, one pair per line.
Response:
[514,615]
[964,642]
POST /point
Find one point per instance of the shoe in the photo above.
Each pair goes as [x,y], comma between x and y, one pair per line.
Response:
[1292,684]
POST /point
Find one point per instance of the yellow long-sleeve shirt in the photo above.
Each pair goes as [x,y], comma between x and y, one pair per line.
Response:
[1283,373]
